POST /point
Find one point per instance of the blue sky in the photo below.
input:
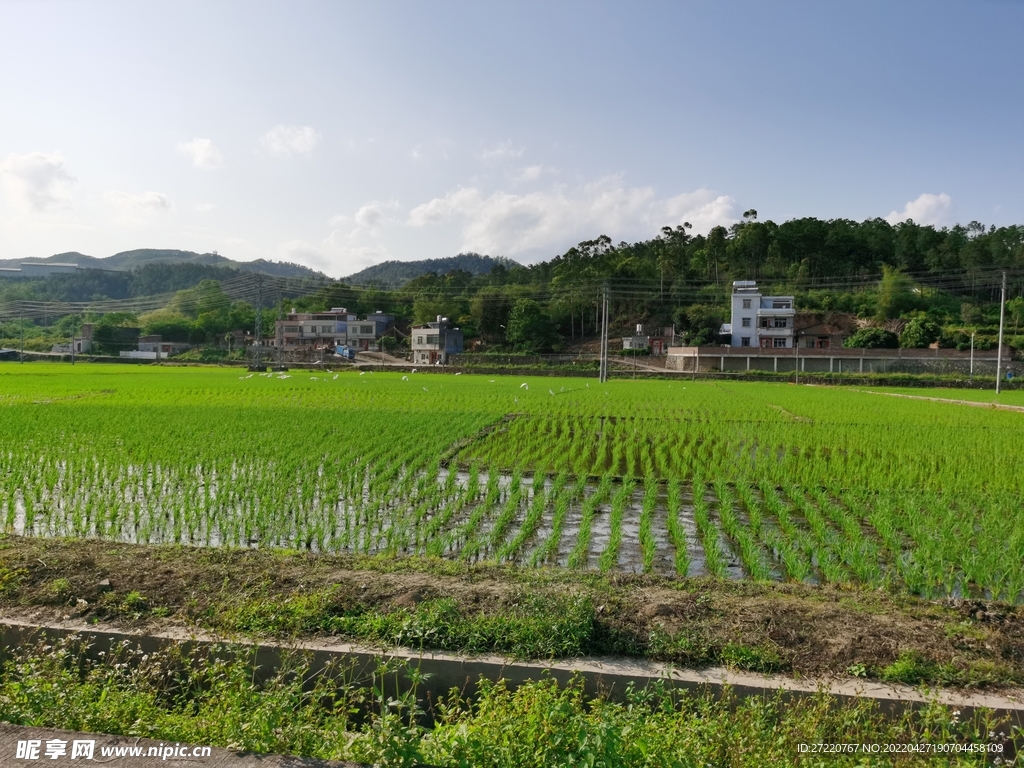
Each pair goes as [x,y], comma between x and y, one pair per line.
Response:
[341,134]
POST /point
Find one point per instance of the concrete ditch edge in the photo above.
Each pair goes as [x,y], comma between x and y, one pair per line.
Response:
[607,676]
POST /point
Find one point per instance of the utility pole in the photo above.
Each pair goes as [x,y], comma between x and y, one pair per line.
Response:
[972,356]
[603,364]
[796,369]
[280,309]
[258,358]
[600,345]
[21,313]
[999,351]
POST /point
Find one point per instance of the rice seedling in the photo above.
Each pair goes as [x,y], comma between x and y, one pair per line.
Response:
[578,556]
[676,533]
[904,494]
[610,556]
[714,563]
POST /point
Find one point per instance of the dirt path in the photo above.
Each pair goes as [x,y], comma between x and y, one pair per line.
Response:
[976,404]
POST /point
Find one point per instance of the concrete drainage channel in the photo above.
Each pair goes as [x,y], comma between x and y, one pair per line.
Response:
[445,671]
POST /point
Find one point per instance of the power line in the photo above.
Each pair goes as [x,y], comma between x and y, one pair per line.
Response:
[252,287]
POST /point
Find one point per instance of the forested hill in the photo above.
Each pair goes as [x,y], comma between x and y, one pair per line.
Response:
[394,274]
[97,284]
[128,260]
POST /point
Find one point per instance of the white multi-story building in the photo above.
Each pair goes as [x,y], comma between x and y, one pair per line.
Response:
[434,342]
[760,321]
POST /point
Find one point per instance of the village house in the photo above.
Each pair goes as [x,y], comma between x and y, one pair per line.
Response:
[657,343]
[759,321]
[79,345]
[432,343]
[824,330]
[331,329]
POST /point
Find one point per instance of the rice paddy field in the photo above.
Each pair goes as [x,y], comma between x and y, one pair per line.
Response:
[738,480]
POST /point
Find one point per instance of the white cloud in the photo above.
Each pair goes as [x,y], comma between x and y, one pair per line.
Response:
[202,153]
[926,209]
[501,151]
[703,209]
[532,173]
[354,242]
[205,207]
[287,140]
[137,209]
[368,219]
[335,256]
[372,215]
[37,180]
[505,223]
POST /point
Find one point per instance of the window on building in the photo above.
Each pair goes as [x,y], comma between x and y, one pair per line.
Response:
[810,343]
[746,303]
[432,339]
[780,322]
[782,305]
[745,341]
[419,339]
[745,322]
[778,342]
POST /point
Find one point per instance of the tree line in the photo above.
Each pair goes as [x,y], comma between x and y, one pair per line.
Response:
[942,278]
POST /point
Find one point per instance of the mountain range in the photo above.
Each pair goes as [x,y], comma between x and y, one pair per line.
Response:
[387,274]
[128,259]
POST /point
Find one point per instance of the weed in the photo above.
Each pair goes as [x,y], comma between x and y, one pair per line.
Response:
[760,658]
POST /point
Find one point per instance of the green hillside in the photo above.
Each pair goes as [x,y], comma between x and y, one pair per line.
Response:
[394,274]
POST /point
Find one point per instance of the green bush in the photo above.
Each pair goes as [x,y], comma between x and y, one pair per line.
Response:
[872,338]
[919,334]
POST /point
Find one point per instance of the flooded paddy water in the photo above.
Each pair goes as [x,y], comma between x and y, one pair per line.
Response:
[812,535]
[445,512]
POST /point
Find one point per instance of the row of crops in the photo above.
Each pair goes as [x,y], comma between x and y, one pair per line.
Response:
[743,480]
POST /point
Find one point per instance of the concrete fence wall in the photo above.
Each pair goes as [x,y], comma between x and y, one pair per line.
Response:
[933,361]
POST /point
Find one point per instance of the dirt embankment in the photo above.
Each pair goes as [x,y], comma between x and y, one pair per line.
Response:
[793,628]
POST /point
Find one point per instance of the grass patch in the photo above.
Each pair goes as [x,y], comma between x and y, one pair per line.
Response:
[751,658]
[534,626]
[386,719]
[912,668]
